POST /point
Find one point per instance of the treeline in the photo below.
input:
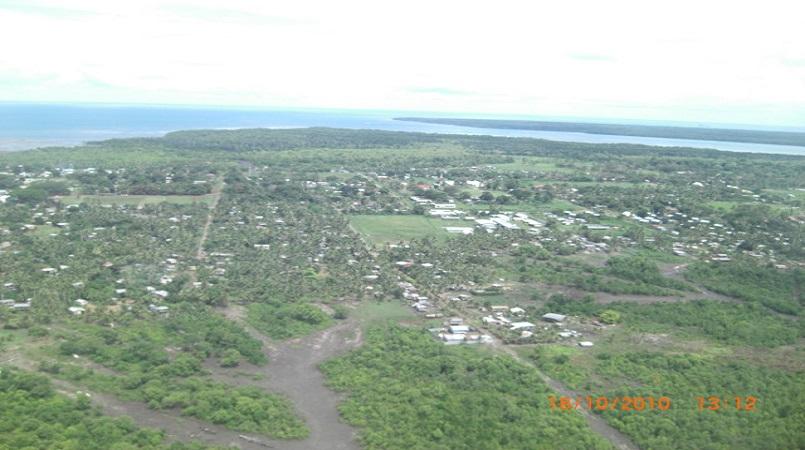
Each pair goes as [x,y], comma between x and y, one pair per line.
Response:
[260,139]
[779,290]
[642,270]
[268,139]
[623,275]
[728,323]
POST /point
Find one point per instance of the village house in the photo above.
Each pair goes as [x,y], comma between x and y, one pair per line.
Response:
[158,309]
[21,306]
[459,329]
[553,317]
[522,326]
[517,311]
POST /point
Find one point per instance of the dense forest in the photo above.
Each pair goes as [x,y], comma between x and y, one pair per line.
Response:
[448,398]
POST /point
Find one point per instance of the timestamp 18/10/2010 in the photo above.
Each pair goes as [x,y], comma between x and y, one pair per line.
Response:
[648,403]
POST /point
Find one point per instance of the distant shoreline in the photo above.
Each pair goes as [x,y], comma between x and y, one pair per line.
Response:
[27,127]
[790,138]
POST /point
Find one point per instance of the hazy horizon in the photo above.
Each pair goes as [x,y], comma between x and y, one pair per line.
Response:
[417,113]
[716,62]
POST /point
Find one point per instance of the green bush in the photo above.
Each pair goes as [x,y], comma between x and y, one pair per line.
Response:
[406,390]
[287,320]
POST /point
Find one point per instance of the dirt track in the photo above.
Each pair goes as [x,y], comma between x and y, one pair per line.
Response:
[216,195]
[293,371]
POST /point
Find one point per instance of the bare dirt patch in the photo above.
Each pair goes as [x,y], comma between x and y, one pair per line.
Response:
[293,371]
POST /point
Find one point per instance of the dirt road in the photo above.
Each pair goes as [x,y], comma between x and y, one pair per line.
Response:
[216,196]
[293,371]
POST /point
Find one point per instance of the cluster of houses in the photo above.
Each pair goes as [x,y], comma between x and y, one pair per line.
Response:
[11,303]
[80,305]
[514,322]
[369,279]
[456,332]
[672,221]
[15,305]
[158,309]
[576,218]
[410,292]
[717,245]
[511,319]
[79,308]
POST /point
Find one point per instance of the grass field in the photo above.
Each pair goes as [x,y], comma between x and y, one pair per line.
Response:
[381,229]
[135,199]
[372,313]
[45,230]
[533,165]
[725,206]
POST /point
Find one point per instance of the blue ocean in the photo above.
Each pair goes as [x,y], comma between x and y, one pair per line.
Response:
[26,126]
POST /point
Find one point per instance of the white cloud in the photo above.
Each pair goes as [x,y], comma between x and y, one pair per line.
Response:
[715,61]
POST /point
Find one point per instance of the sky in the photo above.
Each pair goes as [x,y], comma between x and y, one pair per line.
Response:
[708,61]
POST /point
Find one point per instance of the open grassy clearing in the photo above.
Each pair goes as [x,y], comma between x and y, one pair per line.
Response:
[382,229]
[726,206]
[9,337]
[45,230]
[620,184]
[370,313]
[533,164]
[135,199]
[798,194]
